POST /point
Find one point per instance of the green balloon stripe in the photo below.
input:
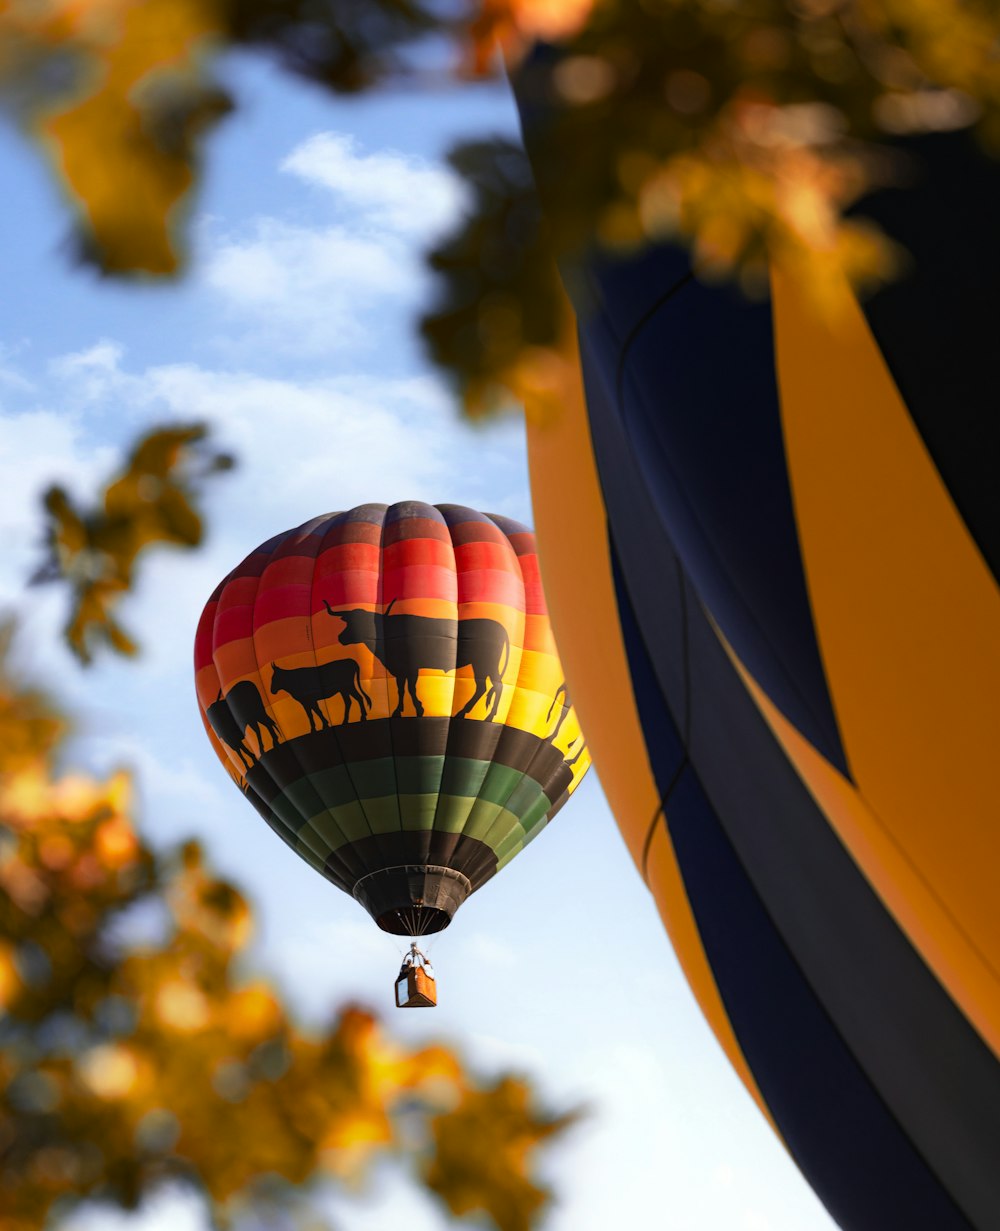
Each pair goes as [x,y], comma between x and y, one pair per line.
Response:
[501,829]
[484,796]
[461,786]
[509,853]
[293,840]
[494,786]
[489,808]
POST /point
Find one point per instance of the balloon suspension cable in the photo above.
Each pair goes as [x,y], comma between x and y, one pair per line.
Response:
[417,943]
[416,952]
[416,957]
[394,939]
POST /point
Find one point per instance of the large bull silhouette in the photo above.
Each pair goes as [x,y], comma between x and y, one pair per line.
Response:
[406,643]
[241,708]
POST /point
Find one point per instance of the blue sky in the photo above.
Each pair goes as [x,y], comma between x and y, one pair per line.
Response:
[292,336]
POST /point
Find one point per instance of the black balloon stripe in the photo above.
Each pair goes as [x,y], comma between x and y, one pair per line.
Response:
[281,767]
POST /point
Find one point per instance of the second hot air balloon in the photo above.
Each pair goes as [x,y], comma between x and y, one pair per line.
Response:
[383,686]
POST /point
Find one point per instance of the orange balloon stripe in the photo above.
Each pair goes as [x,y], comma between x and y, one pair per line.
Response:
[569,510]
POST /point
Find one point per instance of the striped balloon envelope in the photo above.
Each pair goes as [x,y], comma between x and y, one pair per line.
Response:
[794,575]
[383,686]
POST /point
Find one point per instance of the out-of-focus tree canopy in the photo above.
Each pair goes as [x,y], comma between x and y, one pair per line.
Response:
[745,128]
[125,1065]
[96,551]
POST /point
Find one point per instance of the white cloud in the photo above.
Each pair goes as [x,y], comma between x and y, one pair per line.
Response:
[308,447]
[307,290]
[90,372]
[325,286]
[303,447]
[388,189]
[172,1208]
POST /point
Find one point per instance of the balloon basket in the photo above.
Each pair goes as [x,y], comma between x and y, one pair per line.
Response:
[416,987]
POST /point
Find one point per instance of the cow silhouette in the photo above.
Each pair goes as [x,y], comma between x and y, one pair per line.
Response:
[406,643]
[561,692]
[572,760]
[242,708]
[310,685]
[564,711]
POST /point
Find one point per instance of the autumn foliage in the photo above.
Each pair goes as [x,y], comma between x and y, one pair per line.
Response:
[123,1065]
[744,129]
[96,551]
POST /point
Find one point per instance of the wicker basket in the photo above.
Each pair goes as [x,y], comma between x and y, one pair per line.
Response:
[416,987]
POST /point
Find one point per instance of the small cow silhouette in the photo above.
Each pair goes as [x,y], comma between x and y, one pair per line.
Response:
[241,708]
[572,760]
[310,685]
[406,643]
[561,691]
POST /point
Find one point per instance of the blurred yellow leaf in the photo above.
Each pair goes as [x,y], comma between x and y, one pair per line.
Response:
[513,25]
[253,1012]
[485,1153]
[9,980]
[110,1070]
[120,93]
[96,551]
[124,142]
[499,327]
[31,726]
[209,908]
[181,1006]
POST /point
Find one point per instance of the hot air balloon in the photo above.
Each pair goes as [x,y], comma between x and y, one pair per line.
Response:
[383,687]
[796,717]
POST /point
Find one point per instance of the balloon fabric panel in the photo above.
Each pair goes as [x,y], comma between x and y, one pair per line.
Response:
[675,615]
[799,1058]
[404,700]
[570,511]
[929,1109]
[807,1141]
[943,212]
[854,1022]
[917,682]
[713,472]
